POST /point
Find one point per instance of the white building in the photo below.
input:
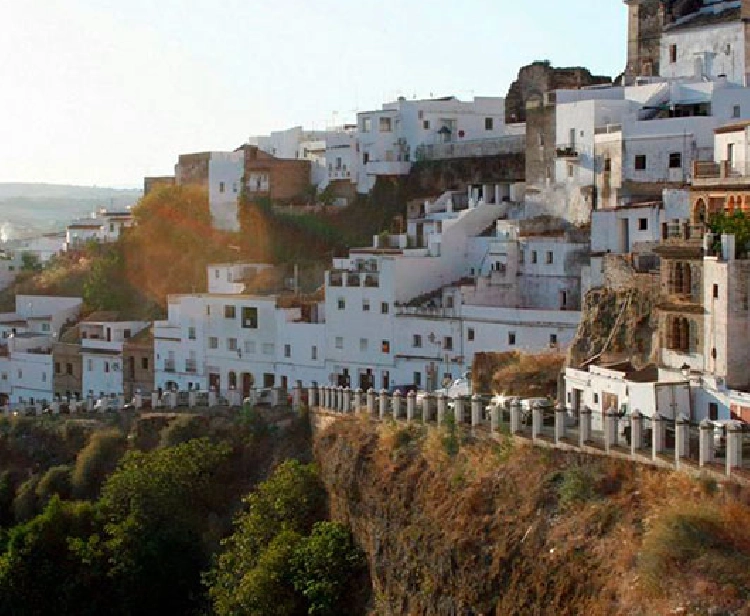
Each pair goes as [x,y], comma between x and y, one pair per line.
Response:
[104,226]
[26,338]
[391,138]
[102,339]
[225,171]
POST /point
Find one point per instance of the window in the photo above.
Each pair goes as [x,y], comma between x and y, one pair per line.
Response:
[416,341]
[426,125]
[249,317]
[384,308]
[643,224]
[213,342]
[550,257]
[341,303]
[287,350]
[672,54]
[68,368]
[89,365]
[571,170]
[221,187]
[314,353]
[533,256]
[417,379]
[20,374]
[191,333]
[386,346]
[144,363]
[230,312]
[736,111]
[470,334]
[45,327]
[365,305]
[385,125]
[511,338]
[488,123]
[363,344]
[607,165]
[366,124]
[339,342]
[596,398]
[231,344]
[268,348]
[448,343]
[420,114]
[5,376]
[553,340]
[365,158]
[57,367]
[713,411]
[234,187]
[208,310]
[106,366]
[716,291]
[250,347]
[675,160]
[640,162]
[44,377]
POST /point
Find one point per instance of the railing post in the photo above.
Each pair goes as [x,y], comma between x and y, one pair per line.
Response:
[312,394]
[560,417]
[734,446]
[682,439]
[346,406]
[515,417]
[658,422]
[383,403]
[54,407]
[706,443]
[440,408]
[252,397]
[411,405]
[636,431]
[476,411]
[396,403]
[427,407]
[458,406]
[358,398]
[193,398]
[322,396]
[584,426]
[211,398]
[495,419]
[536,421]
[137,402]
[610,429]
[370,402]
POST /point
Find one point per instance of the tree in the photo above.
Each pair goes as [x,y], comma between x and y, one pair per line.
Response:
[96,461]
[42,573]
[327,567]
[736,223]
[158,506]
[290,501]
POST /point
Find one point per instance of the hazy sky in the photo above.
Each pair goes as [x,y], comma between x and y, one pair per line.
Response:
[104,91]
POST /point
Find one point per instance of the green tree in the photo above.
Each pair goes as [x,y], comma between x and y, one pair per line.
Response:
[328,566]
[291,500]
[158,506]
[182,429]
[106,286]
[41,571]
[738,224]
[56,481]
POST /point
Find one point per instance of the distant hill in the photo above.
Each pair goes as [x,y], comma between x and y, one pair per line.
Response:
[28,208]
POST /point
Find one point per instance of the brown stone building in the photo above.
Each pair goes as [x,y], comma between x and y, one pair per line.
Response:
[138,363]
[154,183]
[279,179]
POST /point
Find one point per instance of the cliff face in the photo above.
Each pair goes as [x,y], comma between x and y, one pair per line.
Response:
[508,529]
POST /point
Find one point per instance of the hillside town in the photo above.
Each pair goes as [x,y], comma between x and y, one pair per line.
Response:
[571,184]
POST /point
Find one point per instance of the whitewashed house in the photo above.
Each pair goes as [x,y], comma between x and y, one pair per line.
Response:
[102,338]
[104,226]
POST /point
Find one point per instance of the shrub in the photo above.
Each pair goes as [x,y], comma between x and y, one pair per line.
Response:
[184,428]
[577,485]
[96,461]
[56,481]
[25,504]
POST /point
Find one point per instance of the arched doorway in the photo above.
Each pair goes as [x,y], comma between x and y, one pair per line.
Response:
[729,209]
[232,380]
[699,212]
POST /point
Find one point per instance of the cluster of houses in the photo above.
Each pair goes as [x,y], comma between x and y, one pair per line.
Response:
[616,185]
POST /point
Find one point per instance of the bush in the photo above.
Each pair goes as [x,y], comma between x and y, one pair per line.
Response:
[96,461]
[25,504]
[184,428]
[577,485]
[56,481]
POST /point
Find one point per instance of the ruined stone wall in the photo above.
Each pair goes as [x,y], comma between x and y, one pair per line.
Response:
[540,143]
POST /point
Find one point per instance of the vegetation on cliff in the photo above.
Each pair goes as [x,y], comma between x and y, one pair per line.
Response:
[497,528]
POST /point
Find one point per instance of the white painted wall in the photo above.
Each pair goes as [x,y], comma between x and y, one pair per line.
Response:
[225,171]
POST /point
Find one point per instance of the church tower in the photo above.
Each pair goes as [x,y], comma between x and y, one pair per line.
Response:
[645,24]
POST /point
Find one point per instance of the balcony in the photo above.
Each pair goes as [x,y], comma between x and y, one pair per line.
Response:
[339,174]
[682,232]
[384,167]
[336,279]
[352,280]
[566,150]
[710,173]
[169,365]
[191,366]
[511,144]
[372,280]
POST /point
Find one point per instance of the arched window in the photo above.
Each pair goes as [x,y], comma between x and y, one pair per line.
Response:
[684,335]
[232,377]
[686,279]
[678,278]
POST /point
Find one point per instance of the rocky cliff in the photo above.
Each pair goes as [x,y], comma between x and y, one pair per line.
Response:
[453,526]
